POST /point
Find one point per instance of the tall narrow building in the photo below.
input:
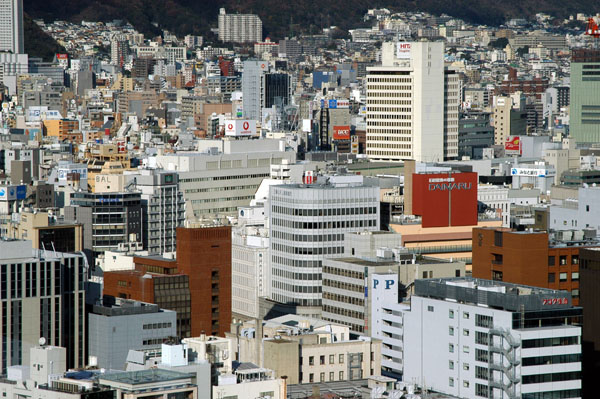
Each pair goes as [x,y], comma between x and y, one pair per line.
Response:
[11,26]
[585,96]
[406,103]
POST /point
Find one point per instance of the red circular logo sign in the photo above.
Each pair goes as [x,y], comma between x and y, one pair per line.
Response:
[262,66]
[246,125]
[230,126]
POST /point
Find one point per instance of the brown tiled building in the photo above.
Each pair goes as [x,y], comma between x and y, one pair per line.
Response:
[528,258]
[204,254]
[154,280]
[197,285]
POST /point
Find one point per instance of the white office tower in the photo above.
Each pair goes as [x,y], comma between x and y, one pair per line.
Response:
[239,28]
[307,225]
[11,26]
[473,338]
[405,103]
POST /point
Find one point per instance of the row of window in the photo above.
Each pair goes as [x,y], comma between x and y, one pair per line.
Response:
[551,377]
[156,325]
[343,272]
[564,394]
[311,376]
[556,359]
[216,178]
[308,251]
[343,285]
[156,341]
[344,299]
[307,237]
[544,342]
[344,224]
[371,210]
[311,359]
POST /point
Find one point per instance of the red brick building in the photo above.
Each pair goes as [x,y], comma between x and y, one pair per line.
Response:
[528,258]
[197,284]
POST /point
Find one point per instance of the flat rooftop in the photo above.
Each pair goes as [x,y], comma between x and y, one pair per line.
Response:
[145,376]
[493,294]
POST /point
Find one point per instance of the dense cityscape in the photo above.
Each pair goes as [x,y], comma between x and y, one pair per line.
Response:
[405,209]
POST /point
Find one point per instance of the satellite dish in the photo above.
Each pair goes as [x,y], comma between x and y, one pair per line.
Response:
[42,341]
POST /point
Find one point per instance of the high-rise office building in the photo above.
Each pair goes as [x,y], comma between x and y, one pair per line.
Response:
[252,79]
[307,225]
[239,28]
[162,209]
[406,104]
[11,26]
[585,96]
[276,89]
[42,295]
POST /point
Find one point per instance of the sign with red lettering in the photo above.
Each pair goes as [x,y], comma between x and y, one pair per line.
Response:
[555,301]
[341,132]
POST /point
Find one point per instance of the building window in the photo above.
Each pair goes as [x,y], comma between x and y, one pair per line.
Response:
[551,260]
[465,332]
[451,348]
[451,330]
[311,377]
[575,293]
[498,238]
[341,376]
[551,277]
[587,208]
[451,314]
[430,308]
[331,375]
[484,321]
[457,273]
[575,276]
[451,365]
[341,358]
[322,377]
[322,359]
[563,277]
[465,349]
[575,259]
[424,274]
[465,315]
[311,360]
[331,359]
[466,366]
[451,381]
[481,390]
[562,259]
[466,384]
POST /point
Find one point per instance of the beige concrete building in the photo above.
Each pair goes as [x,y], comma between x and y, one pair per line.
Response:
[307,350]
[45,232]
[406,104]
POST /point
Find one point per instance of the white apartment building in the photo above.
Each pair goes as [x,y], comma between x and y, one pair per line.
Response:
[473,338]
[406,104]
[452,99]
[11,26]
[226,176]
[239,28]
[307,224]
[250,270]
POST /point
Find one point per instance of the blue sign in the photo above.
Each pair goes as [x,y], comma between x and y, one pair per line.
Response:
[21,192]
[333,104]
[322,103]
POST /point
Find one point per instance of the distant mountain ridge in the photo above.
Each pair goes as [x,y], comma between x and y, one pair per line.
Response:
[284,18]
[280,18]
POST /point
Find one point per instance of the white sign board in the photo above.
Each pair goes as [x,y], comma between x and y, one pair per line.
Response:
[240,127]
[528,172]
[403,50]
